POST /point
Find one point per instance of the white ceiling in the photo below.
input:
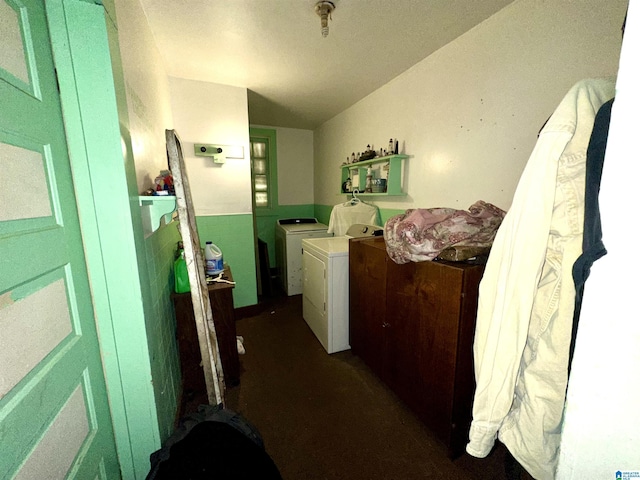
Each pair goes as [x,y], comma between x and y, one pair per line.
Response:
[274,48]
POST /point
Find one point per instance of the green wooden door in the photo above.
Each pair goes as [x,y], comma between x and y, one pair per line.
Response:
[54,414]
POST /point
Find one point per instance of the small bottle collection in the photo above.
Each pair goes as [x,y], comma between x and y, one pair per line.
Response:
[375,180]
[371,153]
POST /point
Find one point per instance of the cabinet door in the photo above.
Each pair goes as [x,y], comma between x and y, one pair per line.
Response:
[407,336]
[221,300]
[465,379]
[367,305]
[423,308]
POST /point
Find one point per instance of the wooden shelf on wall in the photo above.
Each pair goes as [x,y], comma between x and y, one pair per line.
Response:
[154,208]
[357,172]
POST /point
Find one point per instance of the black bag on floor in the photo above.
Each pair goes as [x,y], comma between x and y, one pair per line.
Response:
[214,443]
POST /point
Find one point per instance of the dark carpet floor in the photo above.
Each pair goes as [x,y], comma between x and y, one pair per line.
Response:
[328,416]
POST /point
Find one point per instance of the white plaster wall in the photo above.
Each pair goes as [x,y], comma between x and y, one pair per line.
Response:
[469,114]
[217,114]
[295,165]
[601,433]
[147,92]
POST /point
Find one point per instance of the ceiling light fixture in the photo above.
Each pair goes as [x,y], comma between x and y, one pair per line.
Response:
[324,9]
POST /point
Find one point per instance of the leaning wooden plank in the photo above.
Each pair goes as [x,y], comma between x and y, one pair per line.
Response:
[207,338]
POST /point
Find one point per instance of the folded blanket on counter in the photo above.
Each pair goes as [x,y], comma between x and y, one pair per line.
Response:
[421,234]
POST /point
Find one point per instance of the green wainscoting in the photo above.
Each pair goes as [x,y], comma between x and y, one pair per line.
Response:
[161,325]
[322,213]
[387,213]
[266,224]
[233,234]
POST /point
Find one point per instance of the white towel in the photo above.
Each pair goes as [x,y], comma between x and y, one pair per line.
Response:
[345,214]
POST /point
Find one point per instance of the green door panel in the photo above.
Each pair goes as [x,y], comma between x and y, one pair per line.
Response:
[54,415]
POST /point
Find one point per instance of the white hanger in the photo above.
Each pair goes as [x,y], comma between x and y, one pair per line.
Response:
[354,200]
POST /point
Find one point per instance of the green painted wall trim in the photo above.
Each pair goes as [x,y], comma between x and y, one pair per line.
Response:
[107,212]
[270,136]
[155,255]
[233,234]
[323,213]
[387,213]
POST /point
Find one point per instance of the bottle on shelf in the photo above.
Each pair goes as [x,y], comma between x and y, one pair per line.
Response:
[369,181]
[391,147]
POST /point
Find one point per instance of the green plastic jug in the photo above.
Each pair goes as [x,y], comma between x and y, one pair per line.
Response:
[181,274]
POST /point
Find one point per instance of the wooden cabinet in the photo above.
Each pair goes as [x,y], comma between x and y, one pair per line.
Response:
[221,300]
[413,325]
[368,305]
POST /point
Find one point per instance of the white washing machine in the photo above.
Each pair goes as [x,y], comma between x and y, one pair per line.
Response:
[289,235]
[325,290]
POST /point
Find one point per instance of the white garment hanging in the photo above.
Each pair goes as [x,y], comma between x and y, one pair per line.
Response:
[526,298]
[346,214]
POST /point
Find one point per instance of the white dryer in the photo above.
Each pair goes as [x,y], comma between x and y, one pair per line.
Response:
[289,235]
[325,286]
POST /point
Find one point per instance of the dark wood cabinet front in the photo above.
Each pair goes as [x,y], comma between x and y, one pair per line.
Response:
[367,307]
[421,342]
[221,300]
